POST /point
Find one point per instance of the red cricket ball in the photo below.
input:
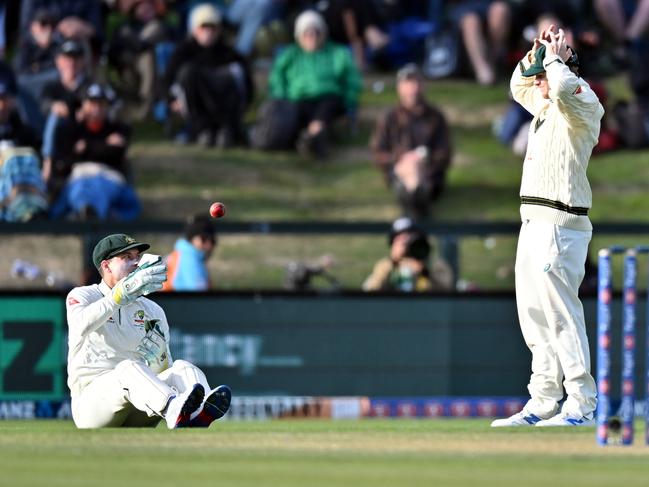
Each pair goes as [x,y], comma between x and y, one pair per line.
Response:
[217,210]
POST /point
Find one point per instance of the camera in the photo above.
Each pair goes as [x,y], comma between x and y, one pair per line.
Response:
[417,247]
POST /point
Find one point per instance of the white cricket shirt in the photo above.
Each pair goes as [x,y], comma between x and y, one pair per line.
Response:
[102,333]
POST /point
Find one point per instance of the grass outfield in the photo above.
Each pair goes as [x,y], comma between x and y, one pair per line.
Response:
[327,453]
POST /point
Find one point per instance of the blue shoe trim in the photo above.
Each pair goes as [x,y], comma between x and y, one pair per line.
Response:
[574,421]
[532,418]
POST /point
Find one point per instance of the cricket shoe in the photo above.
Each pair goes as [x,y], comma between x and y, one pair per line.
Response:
[566,419]
[214,407]
[522,418]
[182,406]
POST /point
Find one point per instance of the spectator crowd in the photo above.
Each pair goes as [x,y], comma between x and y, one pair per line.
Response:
[65,129]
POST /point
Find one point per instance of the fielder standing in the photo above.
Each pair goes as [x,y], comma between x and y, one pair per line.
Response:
[555,232]
[120,370]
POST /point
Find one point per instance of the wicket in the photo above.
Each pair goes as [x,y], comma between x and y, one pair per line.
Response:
[604,321]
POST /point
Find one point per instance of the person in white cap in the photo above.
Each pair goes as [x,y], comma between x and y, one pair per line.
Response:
[319,78]
[208,83]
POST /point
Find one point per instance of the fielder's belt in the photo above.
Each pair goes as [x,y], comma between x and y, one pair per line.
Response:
[557,205]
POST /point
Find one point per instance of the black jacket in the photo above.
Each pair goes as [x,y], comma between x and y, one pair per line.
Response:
[55,91]
[219,54]
[97,149]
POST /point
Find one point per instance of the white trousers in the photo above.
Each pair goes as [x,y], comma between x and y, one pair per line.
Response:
[132,394]
[549,269]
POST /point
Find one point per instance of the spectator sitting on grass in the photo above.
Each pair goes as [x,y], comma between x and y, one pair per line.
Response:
[143,32]
[318,78]
[93,149]
[22,189]
[59,103]
[249,16]
[76,19]
[208,83]
[411,145]
[355,23]
[486,51]
[13,130]
[34,60]
[628,23]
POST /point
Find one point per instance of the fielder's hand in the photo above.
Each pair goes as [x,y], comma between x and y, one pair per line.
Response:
[148,260]
[555,44]
[537,42]
[152,350]
[140,282]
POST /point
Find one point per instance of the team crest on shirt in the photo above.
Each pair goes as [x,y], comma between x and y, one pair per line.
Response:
[138,316]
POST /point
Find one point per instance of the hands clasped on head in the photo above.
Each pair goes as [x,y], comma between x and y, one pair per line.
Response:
[554,42]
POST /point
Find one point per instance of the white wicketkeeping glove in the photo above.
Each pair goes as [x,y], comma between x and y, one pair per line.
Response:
[144,280]
[153,347]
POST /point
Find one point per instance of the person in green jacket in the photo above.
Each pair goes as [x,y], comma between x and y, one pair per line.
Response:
[318,79]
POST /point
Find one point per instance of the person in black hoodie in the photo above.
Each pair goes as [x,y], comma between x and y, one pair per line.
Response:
[207,82]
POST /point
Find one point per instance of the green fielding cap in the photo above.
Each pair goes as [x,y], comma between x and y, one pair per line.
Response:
[537,66]
[115,244]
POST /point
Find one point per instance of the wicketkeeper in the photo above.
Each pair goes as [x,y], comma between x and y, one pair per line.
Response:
[555,232]
[120,370]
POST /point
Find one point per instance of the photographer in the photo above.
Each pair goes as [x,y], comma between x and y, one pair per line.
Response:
[406,269]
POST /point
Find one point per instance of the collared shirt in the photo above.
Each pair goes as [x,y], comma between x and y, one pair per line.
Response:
[102,334]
